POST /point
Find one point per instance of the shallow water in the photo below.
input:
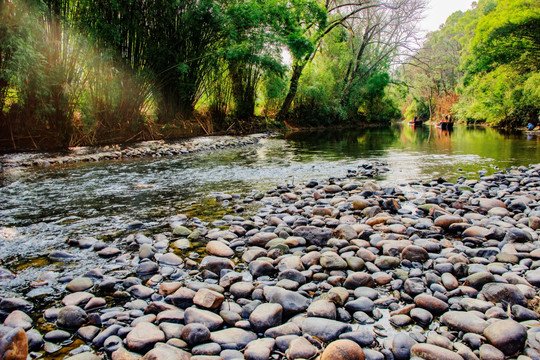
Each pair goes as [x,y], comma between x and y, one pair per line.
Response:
[40,209]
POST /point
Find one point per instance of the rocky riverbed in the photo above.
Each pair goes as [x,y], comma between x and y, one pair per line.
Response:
[336,269]
[157,148]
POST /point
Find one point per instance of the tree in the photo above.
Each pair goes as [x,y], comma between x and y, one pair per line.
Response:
[378,37]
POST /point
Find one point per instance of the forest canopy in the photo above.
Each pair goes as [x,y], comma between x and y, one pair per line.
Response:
[95,72]
[482,65]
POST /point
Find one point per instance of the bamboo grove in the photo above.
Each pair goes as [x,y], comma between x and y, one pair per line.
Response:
[86,72]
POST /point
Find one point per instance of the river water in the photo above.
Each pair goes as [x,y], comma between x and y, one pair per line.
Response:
[42,208]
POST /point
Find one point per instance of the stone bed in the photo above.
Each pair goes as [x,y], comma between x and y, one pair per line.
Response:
[341,269]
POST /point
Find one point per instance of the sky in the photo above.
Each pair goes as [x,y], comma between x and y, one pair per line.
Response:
[439,10]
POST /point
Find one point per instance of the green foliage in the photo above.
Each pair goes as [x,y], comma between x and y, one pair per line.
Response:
[493,72]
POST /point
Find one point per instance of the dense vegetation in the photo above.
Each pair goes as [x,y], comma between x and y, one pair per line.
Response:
[483,65]
[94,71]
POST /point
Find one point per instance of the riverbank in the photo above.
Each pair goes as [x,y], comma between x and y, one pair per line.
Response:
[432,269]
[157,148]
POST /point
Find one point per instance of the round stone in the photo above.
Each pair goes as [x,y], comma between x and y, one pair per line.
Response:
[71,317]
[343,350]
[218,248]
[195,334]
[508,336]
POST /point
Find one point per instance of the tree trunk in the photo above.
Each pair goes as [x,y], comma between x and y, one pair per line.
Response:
[293,88]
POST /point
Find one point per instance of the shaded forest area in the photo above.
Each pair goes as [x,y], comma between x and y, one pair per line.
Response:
[86,72]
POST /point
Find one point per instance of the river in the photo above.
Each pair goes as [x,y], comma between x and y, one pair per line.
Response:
[42,208]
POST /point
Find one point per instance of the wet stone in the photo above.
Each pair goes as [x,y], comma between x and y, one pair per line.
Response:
[195,334]
[300,348]
[325,329]
[71,317]
[343,350]
[144,336]
[506,335]
[433,352]
[233,338]
[266,316]
[79,284]
[464,321]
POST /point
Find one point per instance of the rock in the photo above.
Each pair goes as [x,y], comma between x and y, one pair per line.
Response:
[431,303]
[488,204]
[88,333]
[141,291]
[414,286]
[182,297]
[14,345]
[479,279]
[449,281]
[79,284]
[301,348]
[358,279]
[109,252]
[215,264]
[533,277]
[165,352]
[445,221]
[314,235]
[11,304]
[209,319]
[144,336]
[259,349]
[123,354]
[415,253]
[322,308]
[464,321]
[361,304]
[71,317]
[343,350]
[218,248]
[401,346]
[77,298]
[18,319]
[506,335]
[209,299]
[57,336]
[170,259]
[261,268]
[476,232]
[325,329]
[208,349]
[507,294]
[241,289]
[195,334]
[490,352]
[223,234]
[332,261]
[289,328]
[147,268]
[400,320]
[291,302]
[266,316]
[433,352]
[233,338]
[181,231]
[364,336]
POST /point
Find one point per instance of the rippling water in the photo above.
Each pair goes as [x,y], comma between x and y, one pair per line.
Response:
[41,208]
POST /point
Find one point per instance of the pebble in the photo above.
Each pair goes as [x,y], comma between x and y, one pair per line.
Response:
[331,269]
